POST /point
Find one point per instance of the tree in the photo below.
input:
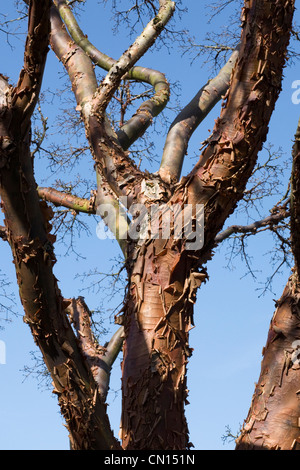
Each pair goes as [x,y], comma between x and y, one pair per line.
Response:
[164,272]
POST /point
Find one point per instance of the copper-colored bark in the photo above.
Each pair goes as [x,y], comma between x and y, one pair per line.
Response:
[27,222]
[164,277]
[273,421]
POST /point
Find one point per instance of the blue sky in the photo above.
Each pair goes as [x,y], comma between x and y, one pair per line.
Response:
[231,318]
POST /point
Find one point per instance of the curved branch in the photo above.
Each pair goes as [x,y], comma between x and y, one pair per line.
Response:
[189,119]
[26,92]
[108,154]
[112,80]
[137,125]
[75,61]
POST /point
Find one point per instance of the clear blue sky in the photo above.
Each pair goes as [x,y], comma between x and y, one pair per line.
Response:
[231,319]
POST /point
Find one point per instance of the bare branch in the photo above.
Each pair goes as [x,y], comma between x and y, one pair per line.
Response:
[76,62]
[59,198]
[26,93]
[100,359]
[138,124]
[142,119]
[189,119]
[267,222]
[131,56]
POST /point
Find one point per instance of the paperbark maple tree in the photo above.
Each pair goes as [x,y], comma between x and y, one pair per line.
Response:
[163,274]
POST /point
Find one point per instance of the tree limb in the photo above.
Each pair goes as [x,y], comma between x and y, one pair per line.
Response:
[28,227]
[59,198]
[189,119]
[112,213]
[100,359]
[26,92]
[75,61]
[218,180]
[112,80]
[113,164]
[138,124]
[269,221]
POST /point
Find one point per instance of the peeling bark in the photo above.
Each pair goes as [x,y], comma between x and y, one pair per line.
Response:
[158,318]
[165,276]
[27,225]
[273,421]
[28,231]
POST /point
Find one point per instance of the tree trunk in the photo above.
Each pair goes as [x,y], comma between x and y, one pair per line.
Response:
[155,356]
[158,318]
[27,223]
[273,422]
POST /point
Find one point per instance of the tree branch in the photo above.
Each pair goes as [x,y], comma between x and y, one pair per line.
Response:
[59,198]
[100,359]
[112,213]
[189,119]
[26,93]
[108,154]
[269,222]
[112,80]
[137,125]
[218,180]
[77,64]
[28,227]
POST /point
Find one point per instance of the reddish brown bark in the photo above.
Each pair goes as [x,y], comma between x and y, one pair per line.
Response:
[27,226]
[273,421]
[163,274]
[163,278]
[27,222]
[159,314]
